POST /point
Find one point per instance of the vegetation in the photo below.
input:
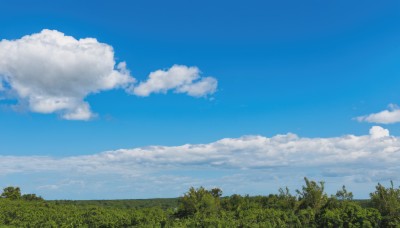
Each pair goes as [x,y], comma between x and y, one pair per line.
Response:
[310,207]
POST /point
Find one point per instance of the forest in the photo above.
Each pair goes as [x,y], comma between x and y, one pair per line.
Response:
[309,206]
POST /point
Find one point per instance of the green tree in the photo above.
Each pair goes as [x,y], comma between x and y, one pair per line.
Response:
[11,192]
[312,195]
[233,202]
[343,194]
[348,214]
[287,201]
[387,201]
[31,197]
[199,201]
[216,192]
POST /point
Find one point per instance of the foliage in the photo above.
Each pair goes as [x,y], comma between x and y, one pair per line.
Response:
[165,203]
[200,207]
[11,192]
[343,194]
[199,202]
[387,201]
[312,195]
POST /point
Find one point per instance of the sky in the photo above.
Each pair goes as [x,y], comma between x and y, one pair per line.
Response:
[144,99]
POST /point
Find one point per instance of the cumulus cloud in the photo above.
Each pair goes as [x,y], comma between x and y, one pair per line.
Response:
[378,132]
[390,116]
[51,72]
[180,79]
[367,158]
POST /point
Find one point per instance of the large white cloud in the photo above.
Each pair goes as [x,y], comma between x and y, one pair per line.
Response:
[362,159]
[390,116]
[180,79]
[54,73]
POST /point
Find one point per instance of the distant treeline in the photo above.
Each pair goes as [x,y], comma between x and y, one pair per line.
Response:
[310,206]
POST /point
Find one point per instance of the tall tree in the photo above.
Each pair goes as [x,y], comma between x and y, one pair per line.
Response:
[343,194]
[387,201]
[11,193]
[312,195]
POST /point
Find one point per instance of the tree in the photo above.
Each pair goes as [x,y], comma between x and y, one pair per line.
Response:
[344,194]
[216,192]
[200,201]
[346,213]
[312,195]
[31,197]
[387,201]
[287,201]
[11,192]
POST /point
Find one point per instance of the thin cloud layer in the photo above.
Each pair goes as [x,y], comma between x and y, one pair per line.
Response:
[390,116]
[368,158]
[51,72]
[180,79]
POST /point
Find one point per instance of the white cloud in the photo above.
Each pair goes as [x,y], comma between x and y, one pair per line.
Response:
[355,159]
[377,132]
[180,79]
[54,73]
[390,116]
[247,152]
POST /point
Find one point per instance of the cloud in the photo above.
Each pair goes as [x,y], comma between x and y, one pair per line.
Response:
[180,79]
[377,132]
[390,116]
[50,72]
[355,159]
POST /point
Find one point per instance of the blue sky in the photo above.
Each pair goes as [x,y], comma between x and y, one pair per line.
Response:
[318,69]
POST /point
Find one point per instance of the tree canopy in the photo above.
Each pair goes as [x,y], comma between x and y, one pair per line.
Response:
[201,207]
